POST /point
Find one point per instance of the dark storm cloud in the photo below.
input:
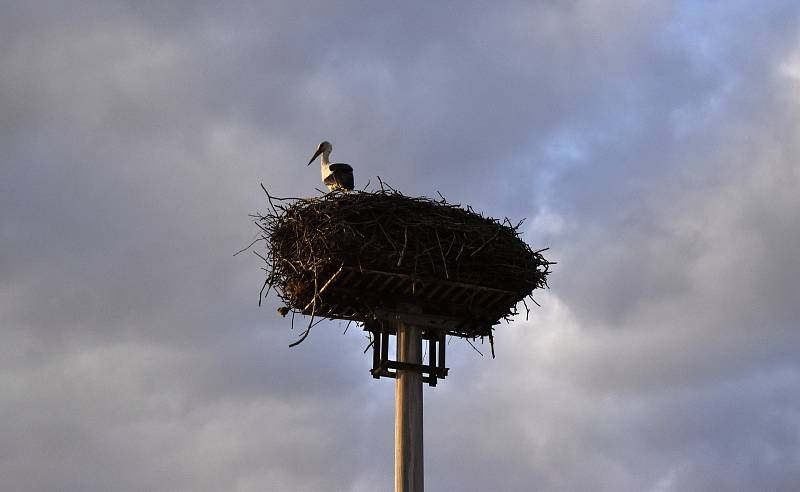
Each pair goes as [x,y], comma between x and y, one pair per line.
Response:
[651,146]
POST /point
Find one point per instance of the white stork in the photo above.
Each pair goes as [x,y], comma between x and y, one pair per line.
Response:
[337,176]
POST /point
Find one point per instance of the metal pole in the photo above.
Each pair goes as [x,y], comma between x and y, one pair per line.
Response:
[408,462]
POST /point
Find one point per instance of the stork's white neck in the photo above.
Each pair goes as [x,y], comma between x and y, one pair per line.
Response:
[325,164]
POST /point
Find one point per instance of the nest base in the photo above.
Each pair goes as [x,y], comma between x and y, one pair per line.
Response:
[459,308]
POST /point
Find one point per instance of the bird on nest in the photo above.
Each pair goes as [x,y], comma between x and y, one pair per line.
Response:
[337,176]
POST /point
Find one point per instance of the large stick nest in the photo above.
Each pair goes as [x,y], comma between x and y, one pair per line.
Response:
[309,241]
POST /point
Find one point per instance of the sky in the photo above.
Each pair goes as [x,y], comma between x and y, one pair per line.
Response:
[652,146]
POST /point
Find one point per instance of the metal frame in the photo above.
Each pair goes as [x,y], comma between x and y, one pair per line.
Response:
[431,329]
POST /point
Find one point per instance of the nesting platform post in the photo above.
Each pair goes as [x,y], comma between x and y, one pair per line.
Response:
[418,269]
[408,442]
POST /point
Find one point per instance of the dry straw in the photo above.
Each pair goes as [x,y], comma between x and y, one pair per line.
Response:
[419,242]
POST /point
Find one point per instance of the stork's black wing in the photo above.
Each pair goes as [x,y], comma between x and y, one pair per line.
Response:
[341,168]
[341,177]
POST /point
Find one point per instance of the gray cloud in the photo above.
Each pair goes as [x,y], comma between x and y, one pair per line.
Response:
[651,146]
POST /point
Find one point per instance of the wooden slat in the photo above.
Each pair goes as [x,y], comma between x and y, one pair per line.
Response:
[388,282]
[451,282]
[430,293]
[376,351]
[457,294]
[371,280]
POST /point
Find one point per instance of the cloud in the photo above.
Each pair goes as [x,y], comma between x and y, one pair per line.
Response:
[650,146]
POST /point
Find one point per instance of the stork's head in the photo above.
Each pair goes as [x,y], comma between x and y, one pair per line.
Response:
[323,147]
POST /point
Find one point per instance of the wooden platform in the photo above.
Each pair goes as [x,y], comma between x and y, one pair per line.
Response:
[457,308]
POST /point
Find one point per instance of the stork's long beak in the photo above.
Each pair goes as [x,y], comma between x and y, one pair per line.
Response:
[316,154]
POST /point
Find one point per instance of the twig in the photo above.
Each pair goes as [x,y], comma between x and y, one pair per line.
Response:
[473,347]
[261,294]
[313,312]
[269,198]
[394,246]
[444,262]
[249,245]
[487,242]
[405,243]
[326,284]
[371,343]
